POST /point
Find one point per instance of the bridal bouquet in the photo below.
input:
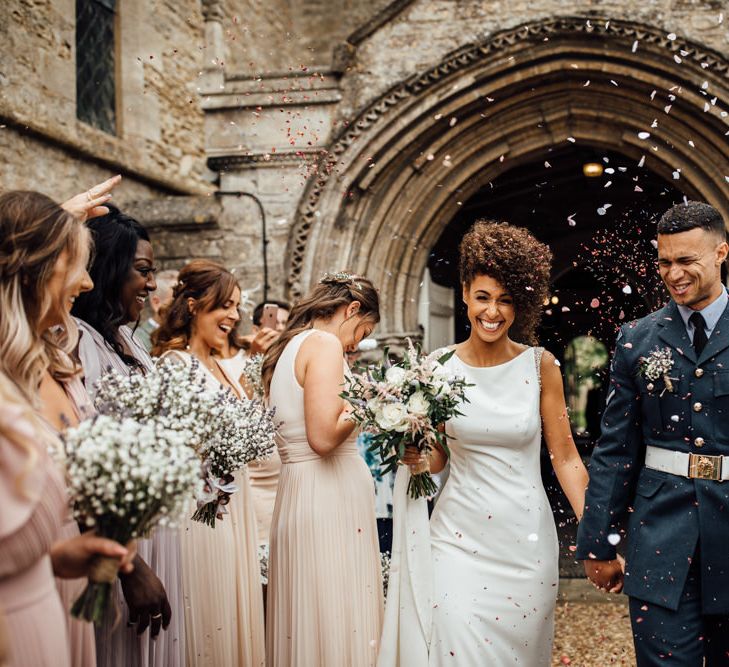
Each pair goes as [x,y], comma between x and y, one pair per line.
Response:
[225,432]
[124,478]
[402,405]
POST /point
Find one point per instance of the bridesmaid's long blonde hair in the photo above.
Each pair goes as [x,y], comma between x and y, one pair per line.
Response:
[34,232]
[332,292]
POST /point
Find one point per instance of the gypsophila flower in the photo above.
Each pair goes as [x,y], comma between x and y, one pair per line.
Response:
[124,478]
[225,432]
[252,372]
[657,365]
[402,405]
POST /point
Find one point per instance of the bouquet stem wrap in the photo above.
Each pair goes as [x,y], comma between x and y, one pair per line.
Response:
[421,482]
[95,599]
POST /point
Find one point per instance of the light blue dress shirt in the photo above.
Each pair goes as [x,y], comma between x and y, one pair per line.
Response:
[711,314]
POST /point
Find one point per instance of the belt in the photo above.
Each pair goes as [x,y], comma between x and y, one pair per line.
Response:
[693,466]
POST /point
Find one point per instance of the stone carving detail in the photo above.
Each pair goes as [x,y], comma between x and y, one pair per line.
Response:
[212,10]
[620,32]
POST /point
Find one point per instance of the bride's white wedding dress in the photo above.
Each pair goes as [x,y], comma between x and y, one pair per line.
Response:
[487,595]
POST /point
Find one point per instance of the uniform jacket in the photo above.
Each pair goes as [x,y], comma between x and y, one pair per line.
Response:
[667,515]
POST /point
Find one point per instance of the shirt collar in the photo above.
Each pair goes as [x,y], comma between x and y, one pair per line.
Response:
[711,313]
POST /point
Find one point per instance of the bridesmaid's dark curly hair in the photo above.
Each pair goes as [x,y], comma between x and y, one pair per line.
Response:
[520,263]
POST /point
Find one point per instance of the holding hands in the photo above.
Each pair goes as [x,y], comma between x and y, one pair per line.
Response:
[606,575]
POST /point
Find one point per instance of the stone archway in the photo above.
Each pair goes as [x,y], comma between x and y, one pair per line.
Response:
[395,178]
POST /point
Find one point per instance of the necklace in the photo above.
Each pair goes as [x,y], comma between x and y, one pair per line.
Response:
[209,363]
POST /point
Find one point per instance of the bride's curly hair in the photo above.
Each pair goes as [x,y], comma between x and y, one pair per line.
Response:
[515,259]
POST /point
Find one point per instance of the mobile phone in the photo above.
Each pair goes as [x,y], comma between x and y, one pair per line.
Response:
[269,316]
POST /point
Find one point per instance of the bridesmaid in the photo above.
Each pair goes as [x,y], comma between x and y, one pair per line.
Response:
[123,274]
[220,574]
[43,256]
[34,503]
[324,586]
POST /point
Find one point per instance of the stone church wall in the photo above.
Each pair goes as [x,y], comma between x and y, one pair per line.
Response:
[159,141]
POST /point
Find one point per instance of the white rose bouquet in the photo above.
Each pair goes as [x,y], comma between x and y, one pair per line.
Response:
[403,405]
[225,432]
[124,478]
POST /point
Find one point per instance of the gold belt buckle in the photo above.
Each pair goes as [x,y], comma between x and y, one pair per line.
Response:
[705,466]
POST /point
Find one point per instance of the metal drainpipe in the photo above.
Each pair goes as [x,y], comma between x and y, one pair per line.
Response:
[264,242]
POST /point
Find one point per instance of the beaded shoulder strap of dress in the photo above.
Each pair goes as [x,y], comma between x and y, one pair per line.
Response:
[538,352]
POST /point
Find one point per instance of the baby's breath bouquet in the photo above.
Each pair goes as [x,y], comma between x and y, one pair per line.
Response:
[225,432]
[252,374]
[124,478]
[241,432]
[402,405]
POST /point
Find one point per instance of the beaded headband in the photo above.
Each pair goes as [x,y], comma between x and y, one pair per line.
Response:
[340,278]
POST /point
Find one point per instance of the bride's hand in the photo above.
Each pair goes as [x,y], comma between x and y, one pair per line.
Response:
[413,456]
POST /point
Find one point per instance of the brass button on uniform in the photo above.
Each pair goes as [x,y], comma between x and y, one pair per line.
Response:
[698,407]
[699,372]
[699,442]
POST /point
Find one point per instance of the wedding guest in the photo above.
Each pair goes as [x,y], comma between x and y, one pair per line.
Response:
[223,604]
[282,316]
[43,255]
[493,543]
[123,274]
[160,298]
[323,532]
[35,510]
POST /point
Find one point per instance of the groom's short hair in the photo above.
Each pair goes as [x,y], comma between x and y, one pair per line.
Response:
[692,215]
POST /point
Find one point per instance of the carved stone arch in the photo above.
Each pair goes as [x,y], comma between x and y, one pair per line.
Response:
[395,177]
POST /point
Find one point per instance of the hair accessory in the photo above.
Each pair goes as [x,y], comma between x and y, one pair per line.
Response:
[339,278]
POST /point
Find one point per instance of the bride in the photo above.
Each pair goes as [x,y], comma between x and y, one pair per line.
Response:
[484,592]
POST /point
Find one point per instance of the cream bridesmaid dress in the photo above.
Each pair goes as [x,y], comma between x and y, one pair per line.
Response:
[220,575]
[324,582]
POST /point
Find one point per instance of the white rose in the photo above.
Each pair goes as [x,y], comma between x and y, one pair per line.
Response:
[418,404]
[395,375]
[373,405]
[442,388]
[392,417]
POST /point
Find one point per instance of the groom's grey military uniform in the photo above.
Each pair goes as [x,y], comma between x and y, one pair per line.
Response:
[662,464]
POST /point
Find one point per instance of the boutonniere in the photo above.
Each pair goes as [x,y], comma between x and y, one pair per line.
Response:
[657,365]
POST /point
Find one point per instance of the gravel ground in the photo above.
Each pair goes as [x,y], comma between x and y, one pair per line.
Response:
[592,634]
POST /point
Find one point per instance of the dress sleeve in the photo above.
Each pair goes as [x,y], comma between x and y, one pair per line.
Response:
[32,498]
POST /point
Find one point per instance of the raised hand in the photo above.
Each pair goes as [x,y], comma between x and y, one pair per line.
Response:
[606,575]
[146,598]
[90,204]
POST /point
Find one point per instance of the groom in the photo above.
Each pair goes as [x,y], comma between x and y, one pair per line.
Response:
[662,462]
